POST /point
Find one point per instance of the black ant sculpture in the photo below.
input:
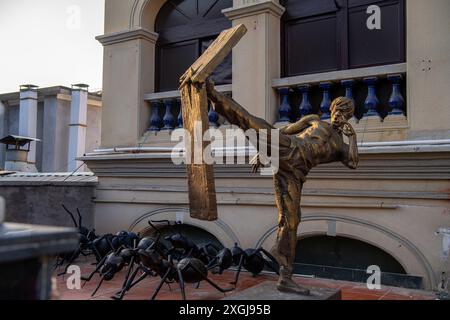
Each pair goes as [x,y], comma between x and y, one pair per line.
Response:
[145,244]
[86,237]
[122,248]
[253,261]
[188,270]
[157,262]
[102,246]
[125,238]
[108,268]
[183,246]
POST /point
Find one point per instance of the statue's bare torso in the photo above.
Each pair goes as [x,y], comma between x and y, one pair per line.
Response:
[318,143]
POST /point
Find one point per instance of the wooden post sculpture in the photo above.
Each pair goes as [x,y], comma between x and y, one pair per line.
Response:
[202,194]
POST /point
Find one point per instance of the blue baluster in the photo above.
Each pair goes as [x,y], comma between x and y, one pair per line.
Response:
[396,101]
[348,85]
[212,116]
[372,101]
[285,109]
[155,120]
[180,115]
[305,107]
[169,119]
[326,100]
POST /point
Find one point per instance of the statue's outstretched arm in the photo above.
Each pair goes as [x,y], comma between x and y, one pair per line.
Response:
[300,125]
[350,152]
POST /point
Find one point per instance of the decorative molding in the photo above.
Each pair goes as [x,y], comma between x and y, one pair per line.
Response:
[307,192]
[254,9]
[361,73]
[129,35]
[406,162]
[176,93]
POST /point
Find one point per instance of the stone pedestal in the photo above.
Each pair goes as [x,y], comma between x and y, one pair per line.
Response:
[26,254]
[268,291]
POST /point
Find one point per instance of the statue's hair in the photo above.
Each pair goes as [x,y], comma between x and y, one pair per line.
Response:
[344,104]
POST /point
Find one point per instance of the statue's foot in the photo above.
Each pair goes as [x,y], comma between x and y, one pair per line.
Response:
[289,286]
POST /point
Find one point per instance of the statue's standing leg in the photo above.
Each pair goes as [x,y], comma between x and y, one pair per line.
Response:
[288,196]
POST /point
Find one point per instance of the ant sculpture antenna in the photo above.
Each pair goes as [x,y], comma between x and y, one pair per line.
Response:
[80,218]
[156,229]
[71,215]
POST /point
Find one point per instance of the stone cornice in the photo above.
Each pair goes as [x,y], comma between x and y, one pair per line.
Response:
[124,36]
[254,9]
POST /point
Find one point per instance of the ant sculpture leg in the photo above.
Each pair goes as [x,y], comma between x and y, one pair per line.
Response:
[181,283]
[161,283]
[273,265]
[75,254]
[58,263]
[241,262]
[98,286]
[128,284]
[205,278]
[99,265]
[130,269]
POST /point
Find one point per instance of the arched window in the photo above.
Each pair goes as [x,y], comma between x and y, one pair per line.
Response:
[343,258]
[328,35]
[186,28]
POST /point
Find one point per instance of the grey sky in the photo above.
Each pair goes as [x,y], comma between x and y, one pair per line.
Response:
[50,42]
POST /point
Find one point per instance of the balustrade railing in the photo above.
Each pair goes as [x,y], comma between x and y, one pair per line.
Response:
[377,92]
[166,113]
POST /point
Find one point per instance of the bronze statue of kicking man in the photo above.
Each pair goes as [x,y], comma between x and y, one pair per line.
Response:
[302,146]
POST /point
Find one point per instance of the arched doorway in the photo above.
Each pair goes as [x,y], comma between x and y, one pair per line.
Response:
[186,28]
[343,258]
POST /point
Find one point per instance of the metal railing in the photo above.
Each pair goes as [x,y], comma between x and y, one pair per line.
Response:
[166,110]
[377,91]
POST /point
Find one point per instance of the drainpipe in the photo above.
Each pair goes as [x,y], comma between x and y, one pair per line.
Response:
[78,124]
[28,120]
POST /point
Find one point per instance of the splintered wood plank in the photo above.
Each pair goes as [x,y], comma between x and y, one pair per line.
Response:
[202,191]
[214,55]
[194,99]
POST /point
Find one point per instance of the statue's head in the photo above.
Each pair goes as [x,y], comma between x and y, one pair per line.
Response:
[342,110]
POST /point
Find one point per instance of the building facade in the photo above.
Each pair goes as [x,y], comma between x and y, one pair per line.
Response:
[392,57]
[67,121]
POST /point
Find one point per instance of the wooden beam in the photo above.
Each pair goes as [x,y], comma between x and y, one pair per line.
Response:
[214,55]
[194,99]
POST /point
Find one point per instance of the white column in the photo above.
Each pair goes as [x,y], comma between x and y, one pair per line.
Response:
[28,118]
[78,123]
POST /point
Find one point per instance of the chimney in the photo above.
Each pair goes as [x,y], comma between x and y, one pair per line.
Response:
[78,124]
[28,119]
[17,150]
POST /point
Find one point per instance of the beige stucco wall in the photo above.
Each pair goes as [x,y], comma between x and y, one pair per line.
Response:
[117,15]
[428,72]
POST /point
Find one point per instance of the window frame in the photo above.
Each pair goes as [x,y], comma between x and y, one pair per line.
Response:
[342,37]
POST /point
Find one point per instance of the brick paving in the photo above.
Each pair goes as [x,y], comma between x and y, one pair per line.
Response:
[144,290]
